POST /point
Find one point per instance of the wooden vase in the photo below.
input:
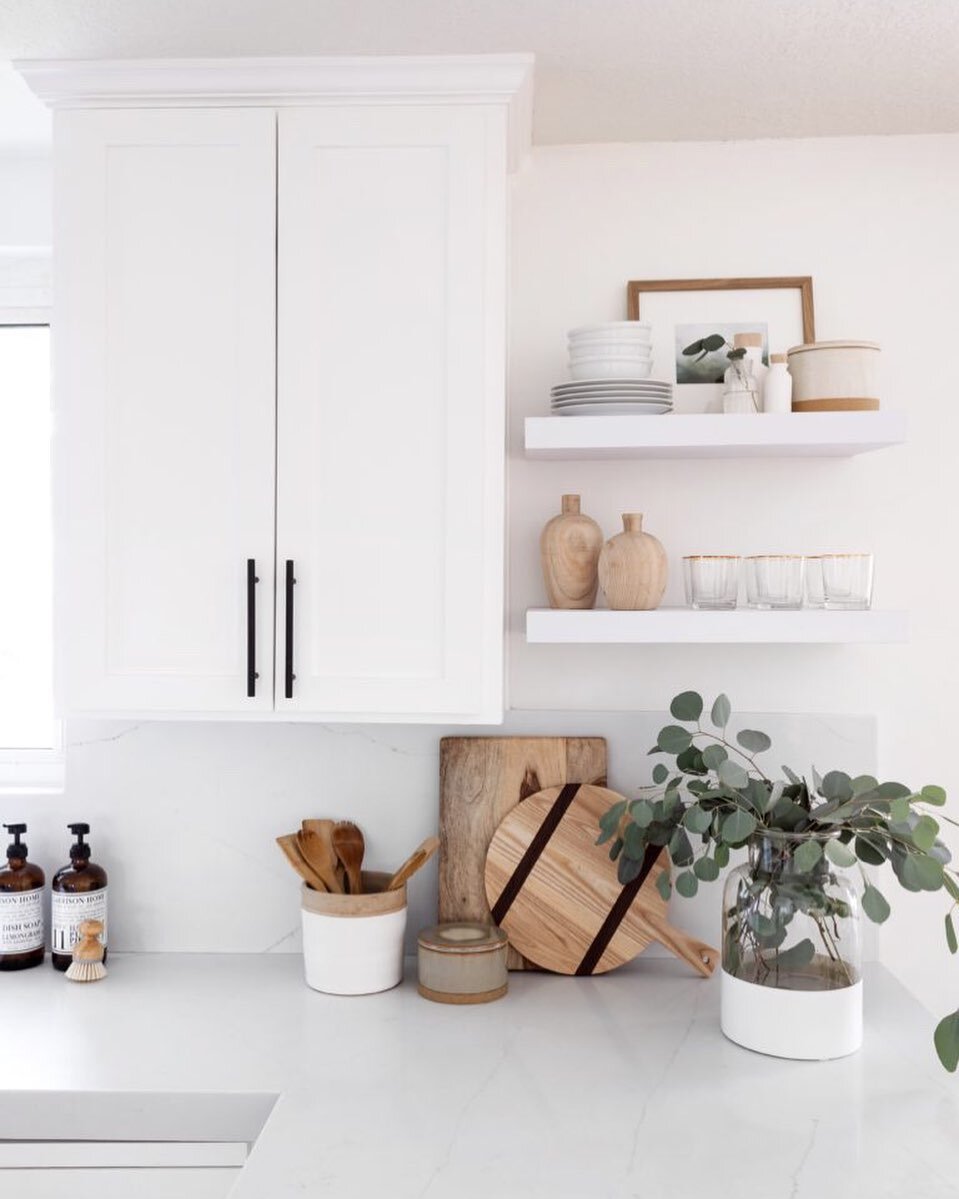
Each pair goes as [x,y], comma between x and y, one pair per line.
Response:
[632,567]
[569,550]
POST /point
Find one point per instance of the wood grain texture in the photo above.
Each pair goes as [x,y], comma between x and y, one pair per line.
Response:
[633,568]
[569,553]
[801,283]
[570,890]
[482,779]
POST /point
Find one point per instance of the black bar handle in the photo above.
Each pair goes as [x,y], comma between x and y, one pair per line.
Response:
[251,671]
[290,583]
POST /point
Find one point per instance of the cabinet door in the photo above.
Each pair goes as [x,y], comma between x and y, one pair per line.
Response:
[164,336]
[390,408]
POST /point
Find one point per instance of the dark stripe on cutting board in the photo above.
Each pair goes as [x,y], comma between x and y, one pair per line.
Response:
[617,913]
[539,842]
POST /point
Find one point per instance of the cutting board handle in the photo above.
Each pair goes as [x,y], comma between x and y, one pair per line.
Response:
[701,957]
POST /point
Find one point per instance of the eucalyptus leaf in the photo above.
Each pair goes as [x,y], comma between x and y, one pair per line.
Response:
[925,832]
[634,842]
[792,776]
[706,870]
[642,813]
[839,854]
[660,773]
[714,755]
[697,819]
[673,739]
[687,706]
[721,855]
[680,849]
[951,934]
[687,884]
[868,851]
[616,849]
[628,869]
[923,872]
[664,886]
[899,810]
[836,784]
[721,712]
[690,761]
[891,791]
[807,856]
[947,1041]
[732,774]
[863,783]
[816,781]
[951,886]
[762,925]
[874,904]
[738,827]
[753,740]
[931,794]
[797,956]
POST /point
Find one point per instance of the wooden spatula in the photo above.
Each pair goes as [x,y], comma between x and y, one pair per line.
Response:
[350,847]
[315,842]
[296,859]
[417,859]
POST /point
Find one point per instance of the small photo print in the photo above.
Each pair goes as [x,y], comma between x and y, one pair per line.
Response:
[697,362]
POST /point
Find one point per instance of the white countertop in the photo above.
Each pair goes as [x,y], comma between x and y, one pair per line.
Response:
[604,1088]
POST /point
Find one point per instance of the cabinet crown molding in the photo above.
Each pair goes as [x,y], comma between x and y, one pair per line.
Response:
[493,79]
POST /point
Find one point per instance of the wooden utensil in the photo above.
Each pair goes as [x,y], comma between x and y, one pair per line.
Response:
[315,842]
[296,859]
[481,780]
[349,847]
[555,893]
[417,859]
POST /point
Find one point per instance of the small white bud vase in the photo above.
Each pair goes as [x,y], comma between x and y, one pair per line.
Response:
[792,956]
[778,389]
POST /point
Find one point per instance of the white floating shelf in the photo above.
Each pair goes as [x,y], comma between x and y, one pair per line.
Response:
[700,435]
[600,626]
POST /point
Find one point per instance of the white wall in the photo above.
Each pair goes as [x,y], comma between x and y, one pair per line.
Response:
[873,221]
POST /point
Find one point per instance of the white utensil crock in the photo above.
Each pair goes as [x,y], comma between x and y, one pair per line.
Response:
[353,944]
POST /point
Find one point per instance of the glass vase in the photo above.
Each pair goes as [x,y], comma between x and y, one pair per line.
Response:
[792,951]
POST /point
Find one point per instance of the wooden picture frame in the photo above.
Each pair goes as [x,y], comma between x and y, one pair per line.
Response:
[801,283]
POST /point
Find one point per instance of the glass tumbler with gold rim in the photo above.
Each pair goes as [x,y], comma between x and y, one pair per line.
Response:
[775,581]
[712,581]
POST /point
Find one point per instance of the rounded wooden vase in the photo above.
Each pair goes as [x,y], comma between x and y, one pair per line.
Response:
[570,545]
[632,567]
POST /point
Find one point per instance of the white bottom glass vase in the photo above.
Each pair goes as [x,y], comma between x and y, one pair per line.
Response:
[805,1025]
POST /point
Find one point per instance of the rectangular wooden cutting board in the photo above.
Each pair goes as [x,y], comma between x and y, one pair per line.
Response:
[481,780]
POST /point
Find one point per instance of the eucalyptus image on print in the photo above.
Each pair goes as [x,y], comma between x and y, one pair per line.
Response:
[701,350]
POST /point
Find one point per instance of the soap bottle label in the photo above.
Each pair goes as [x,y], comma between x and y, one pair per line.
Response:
[68,909]
[21,921]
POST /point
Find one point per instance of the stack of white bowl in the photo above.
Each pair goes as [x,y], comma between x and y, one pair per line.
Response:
[616,350]
[609,366]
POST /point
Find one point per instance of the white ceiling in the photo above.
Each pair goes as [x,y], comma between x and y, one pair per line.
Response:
[607,70]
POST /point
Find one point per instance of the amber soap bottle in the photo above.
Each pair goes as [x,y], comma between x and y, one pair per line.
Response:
[21,907]
[78,893]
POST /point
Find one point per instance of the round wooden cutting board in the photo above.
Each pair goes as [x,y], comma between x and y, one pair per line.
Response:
[555,893]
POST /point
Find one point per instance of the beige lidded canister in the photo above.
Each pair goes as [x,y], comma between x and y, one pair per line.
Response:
[462,962]
[835,376]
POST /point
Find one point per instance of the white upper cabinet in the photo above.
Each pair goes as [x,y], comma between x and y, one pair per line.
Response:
[390,410]
[163,330]
[280,324]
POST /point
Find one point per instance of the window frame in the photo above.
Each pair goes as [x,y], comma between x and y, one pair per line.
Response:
[25,299]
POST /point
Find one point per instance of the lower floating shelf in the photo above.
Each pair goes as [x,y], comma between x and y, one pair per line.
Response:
[743,626]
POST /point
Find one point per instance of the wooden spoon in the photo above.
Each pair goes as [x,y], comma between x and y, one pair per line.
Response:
[417,859]
[315,842]
[296,859]
[350,847]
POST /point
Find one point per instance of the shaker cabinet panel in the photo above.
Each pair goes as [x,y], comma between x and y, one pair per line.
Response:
[165,409]
[391,239]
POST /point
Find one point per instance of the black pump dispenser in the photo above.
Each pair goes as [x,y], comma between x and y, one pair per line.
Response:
[16,850]
[79,849]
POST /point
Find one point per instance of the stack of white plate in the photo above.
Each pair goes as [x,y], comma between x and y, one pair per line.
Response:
[612,397]
[615,350]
